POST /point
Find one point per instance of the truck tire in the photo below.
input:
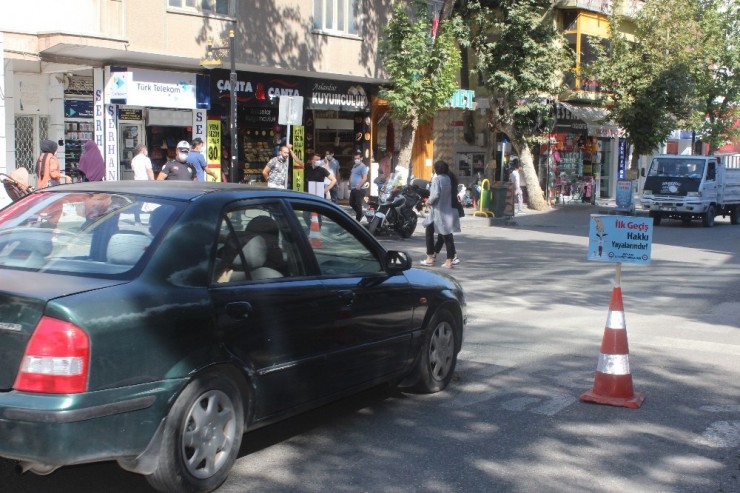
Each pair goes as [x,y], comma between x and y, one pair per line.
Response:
[708,219]
[734,213]
[656,218]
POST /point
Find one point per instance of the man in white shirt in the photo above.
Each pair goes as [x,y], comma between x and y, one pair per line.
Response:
[141,164]
[516,179]
[142,167]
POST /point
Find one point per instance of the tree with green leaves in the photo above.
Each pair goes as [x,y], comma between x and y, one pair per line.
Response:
[679,70]
[717,73]
[423,68]
[522,59]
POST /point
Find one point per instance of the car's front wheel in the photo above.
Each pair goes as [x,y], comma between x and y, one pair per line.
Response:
[438,354]
[202,437]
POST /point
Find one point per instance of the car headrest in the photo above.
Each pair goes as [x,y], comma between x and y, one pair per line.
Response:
[263,225]
[255,252]
[126,248]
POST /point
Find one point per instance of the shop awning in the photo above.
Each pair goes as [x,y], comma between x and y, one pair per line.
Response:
[596,119]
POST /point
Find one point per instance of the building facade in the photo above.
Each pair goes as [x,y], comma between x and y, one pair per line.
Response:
[124,72]
[587,147]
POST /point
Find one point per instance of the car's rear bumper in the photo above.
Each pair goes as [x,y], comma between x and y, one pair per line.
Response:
[58,430]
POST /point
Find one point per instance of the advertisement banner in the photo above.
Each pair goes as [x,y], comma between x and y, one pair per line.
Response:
[213,147]
[152,88]
[624,194]
[77,108]
[264,91]
[620,239]
[298,138]
[622,160]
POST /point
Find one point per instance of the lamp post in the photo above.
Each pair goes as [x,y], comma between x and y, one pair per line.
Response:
[211,61]
[233,175]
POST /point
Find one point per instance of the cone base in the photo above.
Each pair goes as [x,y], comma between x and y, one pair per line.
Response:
[633,402]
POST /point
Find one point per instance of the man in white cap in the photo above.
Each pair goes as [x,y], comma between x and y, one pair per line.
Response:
[178,168]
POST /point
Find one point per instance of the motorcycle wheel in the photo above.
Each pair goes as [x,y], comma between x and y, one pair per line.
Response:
[407,225]
[376,221]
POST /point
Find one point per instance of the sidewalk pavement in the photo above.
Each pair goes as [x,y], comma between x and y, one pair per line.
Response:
[572,218]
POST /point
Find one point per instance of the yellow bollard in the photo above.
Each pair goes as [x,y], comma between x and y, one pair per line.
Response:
[484,201]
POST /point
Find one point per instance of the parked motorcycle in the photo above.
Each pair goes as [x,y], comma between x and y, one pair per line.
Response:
[394,210]
[419,191]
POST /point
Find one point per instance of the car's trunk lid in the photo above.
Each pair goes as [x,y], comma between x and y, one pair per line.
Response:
[23,297]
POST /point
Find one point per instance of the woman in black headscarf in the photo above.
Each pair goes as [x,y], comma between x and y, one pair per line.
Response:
[48,172]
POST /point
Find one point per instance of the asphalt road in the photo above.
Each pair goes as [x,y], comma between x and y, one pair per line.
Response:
[512,421]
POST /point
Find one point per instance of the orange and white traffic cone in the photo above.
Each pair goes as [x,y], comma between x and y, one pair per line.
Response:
[314,235]
[613,381]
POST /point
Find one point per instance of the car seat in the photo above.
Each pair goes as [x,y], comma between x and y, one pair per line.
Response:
[261,251]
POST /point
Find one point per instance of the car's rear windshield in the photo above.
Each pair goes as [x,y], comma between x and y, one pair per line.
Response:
[82,233]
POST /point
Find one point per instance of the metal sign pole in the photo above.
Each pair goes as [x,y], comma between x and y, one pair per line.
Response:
[233,171]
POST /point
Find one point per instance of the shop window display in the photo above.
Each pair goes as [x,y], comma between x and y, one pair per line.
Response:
[258,147]
[78,118]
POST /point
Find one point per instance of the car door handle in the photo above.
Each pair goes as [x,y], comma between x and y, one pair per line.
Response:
[239,309]
[346,296]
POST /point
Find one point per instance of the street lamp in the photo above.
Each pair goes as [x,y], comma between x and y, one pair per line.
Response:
[211,61]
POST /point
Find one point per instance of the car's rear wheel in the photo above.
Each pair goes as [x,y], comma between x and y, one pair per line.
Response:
[656,218]
[438,354]
[202,437]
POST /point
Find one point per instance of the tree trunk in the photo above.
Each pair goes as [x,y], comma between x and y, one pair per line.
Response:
[408,133]
[535,196]
[635,163]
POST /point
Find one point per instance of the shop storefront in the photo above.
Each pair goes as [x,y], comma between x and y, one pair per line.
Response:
[152,107]
[335,116]
[579,163]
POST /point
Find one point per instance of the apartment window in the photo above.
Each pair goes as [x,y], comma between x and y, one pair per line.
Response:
[223,7]
[338,16]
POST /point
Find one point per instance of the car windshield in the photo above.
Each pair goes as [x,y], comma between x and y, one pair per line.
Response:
[80,233]
[677,168]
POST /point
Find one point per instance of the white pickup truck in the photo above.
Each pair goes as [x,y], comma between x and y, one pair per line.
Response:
[691,187]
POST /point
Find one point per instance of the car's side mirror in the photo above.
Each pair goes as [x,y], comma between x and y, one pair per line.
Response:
[396,261]
[642,172]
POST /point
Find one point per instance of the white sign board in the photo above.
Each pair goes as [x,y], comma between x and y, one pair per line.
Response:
[152,88]
[291,110]
[620,239]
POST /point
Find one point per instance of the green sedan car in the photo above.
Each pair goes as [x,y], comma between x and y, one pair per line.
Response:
[154,323]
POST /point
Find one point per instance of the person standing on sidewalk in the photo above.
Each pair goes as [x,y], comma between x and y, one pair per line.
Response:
[275,172]
[178,168]
[198,161]
[443,218]
[516,179]
[333,166]
[357,180]
[141,164]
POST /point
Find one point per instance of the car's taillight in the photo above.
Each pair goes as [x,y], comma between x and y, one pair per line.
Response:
[57,359]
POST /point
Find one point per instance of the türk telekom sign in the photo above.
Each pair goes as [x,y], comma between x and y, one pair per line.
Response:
[152,88]
[265,90]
